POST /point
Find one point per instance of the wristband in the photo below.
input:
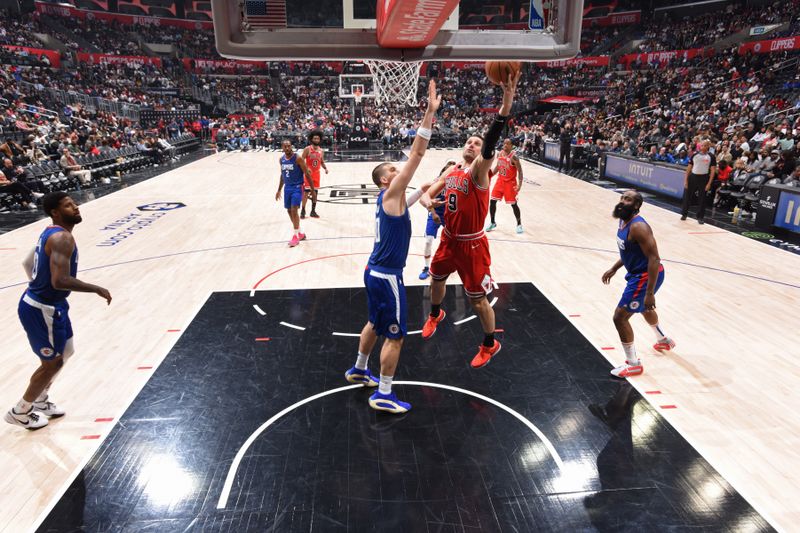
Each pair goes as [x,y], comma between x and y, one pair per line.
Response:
[425,133]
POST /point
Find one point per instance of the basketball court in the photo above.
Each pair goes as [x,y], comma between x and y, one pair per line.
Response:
[210,396]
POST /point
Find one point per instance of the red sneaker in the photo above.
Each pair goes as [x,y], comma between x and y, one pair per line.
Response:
[485,355]
[628,369]
[430,325]
[664,345]
[302,236]
[294,242]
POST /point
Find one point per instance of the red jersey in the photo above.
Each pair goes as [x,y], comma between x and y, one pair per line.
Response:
[506,167]
[466,205]
[314,160]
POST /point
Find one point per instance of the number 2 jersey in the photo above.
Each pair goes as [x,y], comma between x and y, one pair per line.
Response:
[466,205]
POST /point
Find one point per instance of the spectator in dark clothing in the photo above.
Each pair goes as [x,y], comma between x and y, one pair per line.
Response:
[565,143]
[9,184]
[14,151]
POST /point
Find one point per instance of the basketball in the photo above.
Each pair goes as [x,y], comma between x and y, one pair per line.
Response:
[500,71]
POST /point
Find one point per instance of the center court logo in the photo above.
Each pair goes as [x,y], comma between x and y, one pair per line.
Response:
[132,223]
[349,194]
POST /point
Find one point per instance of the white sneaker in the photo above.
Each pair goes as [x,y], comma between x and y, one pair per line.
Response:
[48,409]
[30,420]
[519,229]
[628,370]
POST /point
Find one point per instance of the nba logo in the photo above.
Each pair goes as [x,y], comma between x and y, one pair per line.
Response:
[536,15]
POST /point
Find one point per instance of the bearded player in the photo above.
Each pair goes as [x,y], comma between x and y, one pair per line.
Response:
[509,181]
[639,254]
[43,309]
[464,247]
[314,156]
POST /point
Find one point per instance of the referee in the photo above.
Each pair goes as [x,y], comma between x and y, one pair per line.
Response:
[699,176]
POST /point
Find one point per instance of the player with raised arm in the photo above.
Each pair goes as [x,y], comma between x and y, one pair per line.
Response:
[383,277]
[43,309]
[464,247]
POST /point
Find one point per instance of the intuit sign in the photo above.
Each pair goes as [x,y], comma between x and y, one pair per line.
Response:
[661,178]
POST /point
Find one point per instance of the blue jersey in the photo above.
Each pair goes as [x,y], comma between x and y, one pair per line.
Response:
[629,251]
[439,210]
[291,171]
[392,237]
[40,287]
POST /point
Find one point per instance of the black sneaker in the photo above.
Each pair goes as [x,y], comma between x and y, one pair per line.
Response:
[314,214]
[700,221]
[302,214]
[683,217]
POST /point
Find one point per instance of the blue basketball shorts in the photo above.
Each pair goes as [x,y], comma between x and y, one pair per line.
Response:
[48,326]
[386,302]
[432,228]
[633,296]
[292,196]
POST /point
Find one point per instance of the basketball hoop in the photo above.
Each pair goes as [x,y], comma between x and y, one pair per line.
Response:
[357,96]
[395,81]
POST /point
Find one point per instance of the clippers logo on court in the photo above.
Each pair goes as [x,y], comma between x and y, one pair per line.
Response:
[131,224]
[161,206]
[349,194]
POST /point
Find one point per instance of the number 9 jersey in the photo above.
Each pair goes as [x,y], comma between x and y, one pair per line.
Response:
[466,204]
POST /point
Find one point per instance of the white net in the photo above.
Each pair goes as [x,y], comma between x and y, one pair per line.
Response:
[395,81]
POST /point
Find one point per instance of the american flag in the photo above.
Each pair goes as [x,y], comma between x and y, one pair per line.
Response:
[265,13]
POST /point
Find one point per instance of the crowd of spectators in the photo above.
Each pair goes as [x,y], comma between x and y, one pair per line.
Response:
[655,111]
[698,31]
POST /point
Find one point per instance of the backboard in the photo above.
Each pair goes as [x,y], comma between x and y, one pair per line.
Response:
[480,30]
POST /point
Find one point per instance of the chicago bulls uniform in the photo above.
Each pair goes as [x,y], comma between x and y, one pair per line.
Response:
[506,185]
[314,164]
[464,247]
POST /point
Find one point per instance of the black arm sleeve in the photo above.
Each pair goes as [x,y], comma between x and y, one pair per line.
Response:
[492,136]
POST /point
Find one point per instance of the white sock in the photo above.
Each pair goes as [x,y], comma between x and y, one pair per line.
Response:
[297,232]
[428,248]
[43,396]
[659,333]
[385,386]
[22,407]
[361,362]
[630,353]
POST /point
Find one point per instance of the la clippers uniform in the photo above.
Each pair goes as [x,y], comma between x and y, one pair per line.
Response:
[43,310]
[383,277]
[506,185]
[293,180]
[464,247]
[314,164]
[431,227]
[636,264]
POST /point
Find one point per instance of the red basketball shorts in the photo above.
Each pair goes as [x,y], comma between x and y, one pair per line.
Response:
[505,190]
[314,180]
[472,261]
